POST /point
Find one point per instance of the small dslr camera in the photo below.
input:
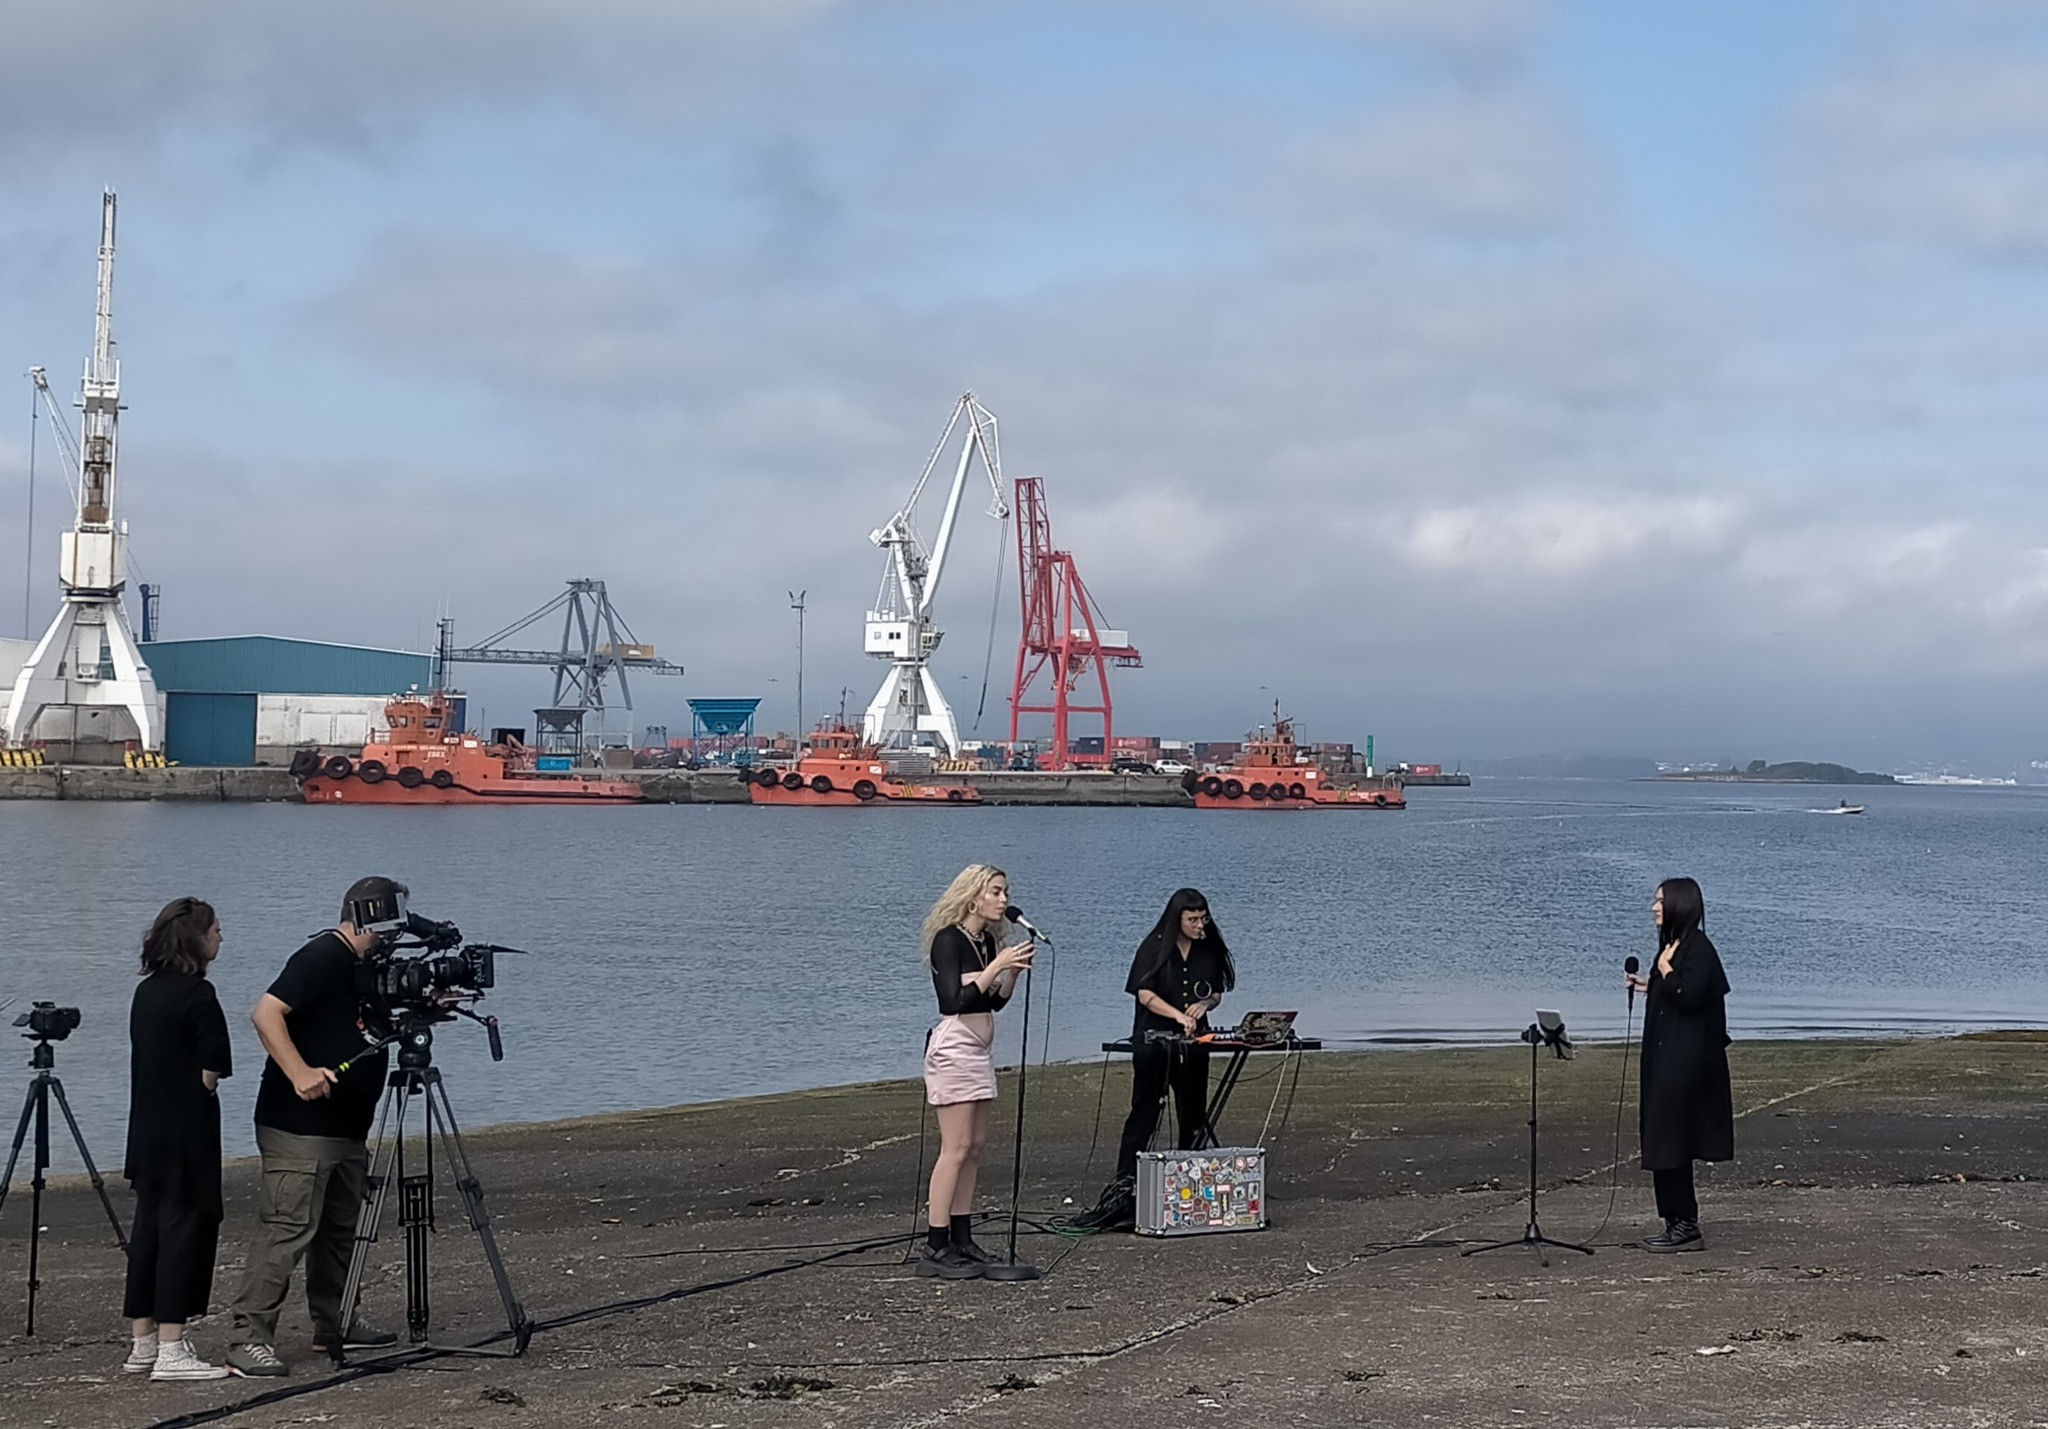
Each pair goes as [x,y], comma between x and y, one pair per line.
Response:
[48,1022]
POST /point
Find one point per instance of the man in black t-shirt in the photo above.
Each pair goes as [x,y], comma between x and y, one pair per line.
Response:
[312,1125]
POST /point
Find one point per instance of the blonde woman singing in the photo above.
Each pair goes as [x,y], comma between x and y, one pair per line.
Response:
[973,974]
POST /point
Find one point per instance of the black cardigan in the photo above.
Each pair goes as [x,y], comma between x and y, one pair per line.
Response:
[176,1030]
[954,954]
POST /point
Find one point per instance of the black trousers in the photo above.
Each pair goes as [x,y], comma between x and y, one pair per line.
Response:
[170,1257]
[1676,1200]
[1156,1067]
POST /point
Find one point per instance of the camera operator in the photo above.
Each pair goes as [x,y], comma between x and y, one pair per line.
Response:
[179,1054]
[312,1128]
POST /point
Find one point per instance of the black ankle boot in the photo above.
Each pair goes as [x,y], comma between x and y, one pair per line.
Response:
[1676,1235]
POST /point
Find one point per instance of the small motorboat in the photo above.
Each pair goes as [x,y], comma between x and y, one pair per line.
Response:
[1845,807]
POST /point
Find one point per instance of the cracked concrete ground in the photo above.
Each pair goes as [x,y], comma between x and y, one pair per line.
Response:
[1875,1257]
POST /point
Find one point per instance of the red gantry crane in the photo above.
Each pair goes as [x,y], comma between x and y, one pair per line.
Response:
[1063,635]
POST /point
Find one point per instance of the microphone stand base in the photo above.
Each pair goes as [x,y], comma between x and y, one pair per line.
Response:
[1010,1270]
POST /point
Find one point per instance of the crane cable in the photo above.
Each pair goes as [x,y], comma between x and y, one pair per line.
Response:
[995,605]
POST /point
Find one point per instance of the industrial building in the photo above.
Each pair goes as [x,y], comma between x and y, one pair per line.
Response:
[254,699]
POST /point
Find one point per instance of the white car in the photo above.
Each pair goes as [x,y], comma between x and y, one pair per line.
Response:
[1169,766]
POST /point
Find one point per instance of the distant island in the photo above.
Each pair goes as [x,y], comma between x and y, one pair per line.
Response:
[1797,771]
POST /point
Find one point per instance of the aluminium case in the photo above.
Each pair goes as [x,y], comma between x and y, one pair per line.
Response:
[1201,1192]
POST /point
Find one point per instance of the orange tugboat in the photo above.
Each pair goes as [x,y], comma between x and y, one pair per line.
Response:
[420,760]
[838,768]
[1272,773]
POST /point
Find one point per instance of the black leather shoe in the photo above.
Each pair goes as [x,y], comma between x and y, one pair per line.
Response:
[1676,1235]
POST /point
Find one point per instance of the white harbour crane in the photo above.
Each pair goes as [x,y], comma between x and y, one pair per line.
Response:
[909,710]
[88,658]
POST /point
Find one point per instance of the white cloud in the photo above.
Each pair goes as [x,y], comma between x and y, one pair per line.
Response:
[1568,536]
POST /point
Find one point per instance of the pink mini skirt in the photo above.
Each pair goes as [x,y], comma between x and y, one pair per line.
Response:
[959,1060]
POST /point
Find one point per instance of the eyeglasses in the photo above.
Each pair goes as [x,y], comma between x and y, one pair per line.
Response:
[1200,915]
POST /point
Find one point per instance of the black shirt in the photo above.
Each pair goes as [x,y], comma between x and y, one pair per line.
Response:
[175,1032]
[1203,974]
[954,953]
[319,986]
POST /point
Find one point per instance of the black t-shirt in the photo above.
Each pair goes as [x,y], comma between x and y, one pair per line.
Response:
[176,1031]
[954,954]
[319,986]
[1203,974]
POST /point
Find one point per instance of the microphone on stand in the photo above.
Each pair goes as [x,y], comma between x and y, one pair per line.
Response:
[1014,1269]
[1632,965]
[1015,915]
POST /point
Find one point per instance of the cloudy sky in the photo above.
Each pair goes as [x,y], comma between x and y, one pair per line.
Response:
[1494,376]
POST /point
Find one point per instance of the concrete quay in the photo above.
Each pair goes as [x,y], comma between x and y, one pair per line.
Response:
[1876,1256]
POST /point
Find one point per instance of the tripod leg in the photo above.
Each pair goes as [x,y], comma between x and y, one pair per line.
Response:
[41,1095]
[371,1212]
[28,1110]
[472,1192]
[78,1139]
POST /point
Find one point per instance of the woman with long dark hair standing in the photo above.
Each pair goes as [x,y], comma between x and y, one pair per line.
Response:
[973,975]
[1180,973]
[1688,1107]
[179,1054]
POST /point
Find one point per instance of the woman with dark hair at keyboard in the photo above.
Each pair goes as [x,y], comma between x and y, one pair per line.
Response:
[1178,977]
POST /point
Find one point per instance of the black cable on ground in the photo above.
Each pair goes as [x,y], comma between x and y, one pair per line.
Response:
[1614,1154]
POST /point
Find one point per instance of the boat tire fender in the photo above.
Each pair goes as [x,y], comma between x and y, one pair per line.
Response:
[767,778]
[792,780]
[411,776]
[820,784]
[1297,791]
[371,771]
[864,790]
[338,766]
[442,779]
[305,762]
[1379,801]
[1212,786]
[1232,789]
[1190,781]
[954,796]
[1257,791]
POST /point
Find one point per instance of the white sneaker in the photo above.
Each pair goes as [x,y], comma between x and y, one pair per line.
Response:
[178,1360]
[142,1352]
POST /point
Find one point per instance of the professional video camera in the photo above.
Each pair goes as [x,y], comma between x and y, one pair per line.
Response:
[48,1022]
[420,971]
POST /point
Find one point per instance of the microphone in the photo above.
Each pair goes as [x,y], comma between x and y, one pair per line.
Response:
[1632,965]
[1015,915]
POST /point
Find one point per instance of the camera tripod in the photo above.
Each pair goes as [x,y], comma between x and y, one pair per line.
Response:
[417,1076]
[37,1109]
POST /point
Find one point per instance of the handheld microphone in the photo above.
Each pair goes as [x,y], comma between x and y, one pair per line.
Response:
[1016,915]
[1632,965]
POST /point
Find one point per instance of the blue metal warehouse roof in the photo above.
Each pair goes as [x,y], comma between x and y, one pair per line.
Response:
[270,665]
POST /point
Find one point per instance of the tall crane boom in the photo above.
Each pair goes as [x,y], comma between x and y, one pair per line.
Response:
[1064,635]
[88,659]
[901,628]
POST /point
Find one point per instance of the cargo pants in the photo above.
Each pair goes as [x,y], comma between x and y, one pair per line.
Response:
[306,1210]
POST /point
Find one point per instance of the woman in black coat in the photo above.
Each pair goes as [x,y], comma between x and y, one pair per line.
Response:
[180,1053]
[1688,1108]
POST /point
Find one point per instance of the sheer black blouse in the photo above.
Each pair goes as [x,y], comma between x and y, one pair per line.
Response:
[955,954]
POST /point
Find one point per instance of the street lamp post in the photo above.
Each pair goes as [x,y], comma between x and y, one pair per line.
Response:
[796,603]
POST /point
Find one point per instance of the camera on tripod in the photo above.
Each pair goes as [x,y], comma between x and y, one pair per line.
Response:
[47,1022]
[420,972]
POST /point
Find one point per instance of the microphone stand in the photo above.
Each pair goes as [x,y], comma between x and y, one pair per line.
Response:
[1533,1237]
[1013,1268]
